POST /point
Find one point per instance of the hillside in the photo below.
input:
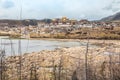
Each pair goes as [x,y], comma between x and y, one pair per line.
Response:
[114,17]
[19,22]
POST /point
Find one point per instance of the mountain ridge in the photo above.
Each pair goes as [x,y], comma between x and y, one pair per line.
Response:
[114,17]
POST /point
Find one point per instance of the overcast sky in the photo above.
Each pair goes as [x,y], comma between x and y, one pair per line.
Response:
[40,9]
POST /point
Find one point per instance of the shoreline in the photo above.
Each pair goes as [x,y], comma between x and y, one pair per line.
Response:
[91,41]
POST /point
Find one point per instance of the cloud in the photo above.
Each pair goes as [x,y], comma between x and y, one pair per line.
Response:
[8,4]
[114,6]
[78,9]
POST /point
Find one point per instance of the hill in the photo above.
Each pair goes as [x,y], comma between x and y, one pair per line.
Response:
[115,17]
[19,22]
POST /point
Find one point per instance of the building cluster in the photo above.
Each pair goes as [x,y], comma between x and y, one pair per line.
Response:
[60,22]
[58,25]
[66,22]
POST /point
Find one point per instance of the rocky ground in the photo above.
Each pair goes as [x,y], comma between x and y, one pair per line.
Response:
[48,65]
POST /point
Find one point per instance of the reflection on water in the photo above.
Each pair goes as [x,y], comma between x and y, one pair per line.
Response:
[28,46]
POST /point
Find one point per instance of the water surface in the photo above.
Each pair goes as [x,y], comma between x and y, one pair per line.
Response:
[27,46]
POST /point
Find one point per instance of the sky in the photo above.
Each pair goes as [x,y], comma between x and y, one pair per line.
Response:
[73,9]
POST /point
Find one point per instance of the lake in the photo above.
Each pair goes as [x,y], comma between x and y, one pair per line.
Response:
[28,46]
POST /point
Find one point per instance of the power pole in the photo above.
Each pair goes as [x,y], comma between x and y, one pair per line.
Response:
[86,58]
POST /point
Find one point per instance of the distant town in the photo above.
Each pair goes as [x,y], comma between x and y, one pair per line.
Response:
[58,28]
